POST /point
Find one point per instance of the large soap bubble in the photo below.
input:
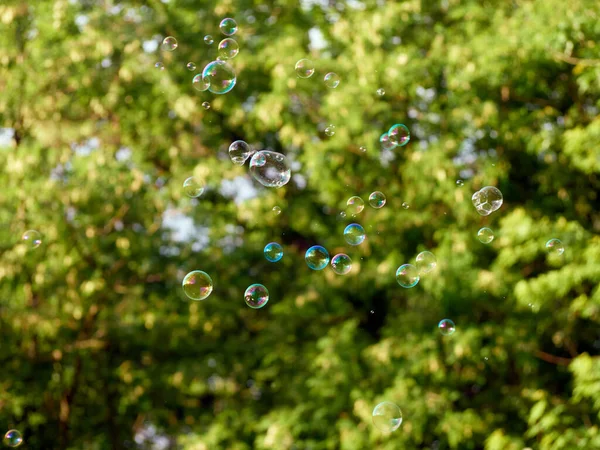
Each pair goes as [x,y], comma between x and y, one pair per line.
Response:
[270,168]
[487,200]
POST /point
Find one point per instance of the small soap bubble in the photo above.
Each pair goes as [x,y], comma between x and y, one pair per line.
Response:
[270,168]
[399,134]
[487,200]
[276,210]
[256,296]
[220,77]
[192,187]
[407,276]
[191,66]
[199,84]
[330,130]
[354,234]
[387,417]
[405,205]
[341,264]
[385,143]
[460,183]
[341,216]
[32,239]
[273,252]
[446,327]
[377,199]
[228,26]
[485,235]
[228,48]
[426,262]
[555,247]
[305,68]
[317,257]
[381,92]
[362,149]
[159,65]
[13,438]
[355,205]
[239,152]
[169,44]
[332,80]
[197,285]
[206,105]
[208,39]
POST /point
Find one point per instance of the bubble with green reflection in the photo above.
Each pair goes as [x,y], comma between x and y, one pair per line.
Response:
[387,416]
[354,234]
[317,257]
[341,264]
[407,276]
[256,296]
[273,252]
[197,285]
[228,26]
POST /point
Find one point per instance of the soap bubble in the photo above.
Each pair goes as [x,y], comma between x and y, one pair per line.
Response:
[385,143]
[228,26]
[355,205]
[341,264]
[192,187]
[341,216]
[208,39]
[206,105]
[330,130]
[381,92]
[169,44]
[228,48]
[405,205]
[239,152]
[555,247]
[426,262]
[256,296]
[354,234]
[191,66]
[407,276]
[362,149]
[220,77]
[399,134]
[377,199]
[32,239]
[487,200]
[13,438]
[446,327]
[270,168]
[387,416]
[485,235]
[199,83]
[305,68]
[460,183]
[276,210]
[273,252]
[332,80]
[159,65]
[197,285]
[317,257]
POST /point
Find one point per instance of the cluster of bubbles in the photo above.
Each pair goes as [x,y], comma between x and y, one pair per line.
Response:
[12,438]
[239,152]
[408,276]
[397,136]
[305,68]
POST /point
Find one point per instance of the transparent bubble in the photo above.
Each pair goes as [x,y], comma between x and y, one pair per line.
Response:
[192,187]
[256,296]
[199,84]
[385,143]
[377,199]
[276,210]
[220,77]
[197,285]
[191,66]
[332,80]
[407,276]
[239,152]
[341,216]
[159,65]
[446,327]
[206,105]
[228,48]
[208,39]
[387,416]
[32,239]
[355,205]
[273,252]
[169,44]
[487,200]
[270,168]
[12,438]
[405,205]
[426,262]
[362,149]
[381,92]
[330,130]
[399,134]
[228,26]
[305,68]
[555,247]
[460,183]
[341,264]
[354,234]
[317,257]
[485,235]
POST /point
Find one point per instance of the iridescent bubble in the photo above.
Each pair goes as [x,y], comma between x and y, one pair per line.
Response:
[399,134]
[377,199]
[354,234]
[362,149]
[426,262]
[385,143]
[228,48]
[228,26]
[555,247]
[208,39]
[159,65]
[485,235]
[405,205]
[13,438]
[239,152]
[206,105]
[332,80]
[32,239]
[199,83]
[487,200]
[355,205]
[317,257]
[381,92]
[305,68]
[273,252]
[191,66]
[407,276]
[220,77]
[330,130]
[270,168]
[460,183]
[192,187]
[256,296]
[387,417]
[276,210]
[341,264]
[169,44]
[197,285]
[446,327]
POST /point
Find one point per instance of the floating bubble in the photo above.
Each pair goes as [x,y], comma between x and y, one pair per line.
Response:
[13,438]
[199,84]
[399,135]
[197,285]
[273,252]
[387,416]
[446,327]
[206,105]
[270,168]
[405,205]
[407,276]
[32,239]
[239,152]
[332,80]
[256,296]
[487,200]
[228,48]
[191,66]
[341,264]
[305,68]
[208,39]
[381,92]
[228,26]
[385,143]
[192,187]
[342,216]
[355,205]
[330,130]
[555,247]
[169,44]
[362,149]
[276,210]
[377,199]
[159,65]
[354,234]
[220,77]
[485,235]
[426,262]
[460,183]
[317,257]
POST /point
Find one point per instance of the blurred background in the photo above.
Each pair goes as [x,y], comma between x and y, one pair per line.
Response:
[101,349]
